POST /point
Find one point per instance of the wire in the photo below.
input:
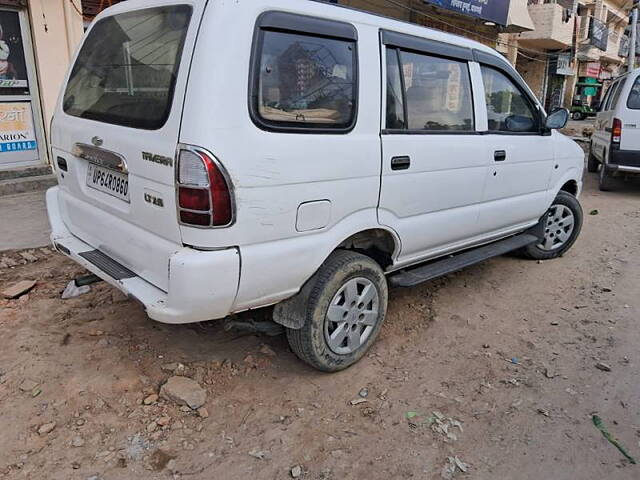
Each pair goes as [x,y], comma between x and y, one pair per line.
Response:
[475,34]
[520,48]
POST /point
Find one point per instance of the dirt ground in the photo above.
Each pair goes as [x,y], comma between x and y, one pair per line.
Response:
[507,348]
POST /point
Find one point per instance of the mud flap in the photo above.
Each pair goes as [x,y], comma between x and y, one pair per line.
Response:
[292,313]
[539,228]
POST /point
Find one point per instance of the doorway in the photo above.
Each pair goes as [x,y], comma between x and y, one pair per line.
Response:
[21,139]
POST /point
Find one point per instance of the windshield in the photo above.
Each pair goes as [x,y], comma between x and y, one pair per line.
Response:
[126,70]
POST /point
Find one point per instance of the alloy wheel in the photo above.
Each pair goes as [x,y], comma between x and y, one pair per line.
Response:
[559,227]
[352,316]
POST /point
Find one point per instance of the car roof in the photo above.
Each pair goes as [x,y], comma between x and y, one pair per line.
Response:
[322,9]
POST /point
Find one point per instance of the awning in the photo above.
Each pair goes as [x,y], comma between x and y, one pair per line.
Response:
[519,19]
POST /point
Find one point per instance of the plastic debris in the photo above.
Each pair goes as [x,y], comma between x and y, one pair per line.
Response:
[594,212]
[597,421]
[452,465]
[73,291]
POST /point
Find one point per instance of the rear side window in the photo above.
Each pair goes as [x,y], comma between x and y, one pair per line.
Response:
[614,90]
[508,108]
[305,82]
[616,95]
[633,102]
[428,93]
[126,71]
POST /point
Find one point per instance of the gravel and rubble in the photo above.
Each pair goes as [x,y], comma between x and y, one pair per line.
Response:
[494,372]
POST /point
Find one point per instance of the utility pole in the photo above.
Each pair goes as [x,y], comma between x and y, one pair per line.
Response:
[631,61]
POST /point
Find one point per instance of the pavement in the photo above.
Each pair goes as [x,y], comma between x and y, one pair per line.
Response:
[24,222]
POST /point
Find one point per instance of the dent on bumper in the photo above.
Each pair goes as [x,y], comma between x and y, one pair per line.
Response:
[202,284]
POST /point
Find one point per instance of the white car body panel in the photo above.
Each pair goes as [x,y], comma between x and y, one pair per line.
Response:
[618,108]
[297,196]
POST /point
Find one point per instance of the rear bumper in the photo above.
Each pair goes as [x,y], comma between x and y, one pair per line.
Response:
[624,160]
[202,284]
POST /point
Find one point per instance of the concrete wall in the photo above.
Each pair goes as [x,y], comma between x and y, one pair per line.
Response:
[551,31]
[56,30]
[533,72]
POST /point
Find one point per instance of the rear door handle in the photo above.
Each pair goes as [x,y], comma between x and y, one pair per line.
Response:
[500,155]
[400,163]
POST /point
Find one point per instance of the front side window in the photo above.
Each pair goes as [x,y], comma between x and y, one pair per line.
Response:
[306,81]
[508,108]
[126,70]
[437,93]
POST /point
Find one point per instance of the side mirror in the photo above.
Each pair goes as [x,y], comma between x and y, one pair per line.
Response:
[557,119]
[519,123]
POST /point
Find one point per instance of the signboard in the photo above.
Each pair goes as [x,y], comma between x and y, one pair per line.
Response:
[623,50]
[495,11]
[16,127]
[599,34]
[563,65]
[591,69]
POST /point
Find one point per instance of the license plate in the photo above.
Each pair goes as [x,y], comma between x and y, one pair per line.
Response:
[108,181]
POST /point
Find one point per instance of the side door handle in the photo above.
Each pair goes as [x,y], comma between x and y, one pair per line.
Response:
[400,163]
[500,155]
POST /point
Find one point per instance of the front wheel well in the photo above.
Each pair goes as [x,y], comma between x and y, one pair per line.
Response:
[570,187]
[376,243]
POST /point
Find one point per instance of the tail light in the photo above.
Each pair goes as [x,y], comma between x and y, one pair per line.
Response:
[204,193]
[616,131]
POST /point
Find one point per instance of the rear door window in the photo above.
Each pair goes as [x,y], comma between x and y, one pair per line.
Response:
[428,93]
[126,71]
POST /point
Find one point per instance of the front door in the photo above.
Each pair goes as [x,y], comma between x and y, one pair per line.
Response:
[433,169]
[518,177]
[19,112]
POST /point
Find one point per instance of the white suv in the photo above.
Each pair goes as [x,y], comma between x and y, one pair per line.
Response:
[215,157]
[615,143]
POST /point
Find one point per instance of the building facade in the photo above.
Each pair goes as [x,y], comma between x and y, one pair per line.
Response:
[574,50]
[37,42]
[485,21]
[566,50]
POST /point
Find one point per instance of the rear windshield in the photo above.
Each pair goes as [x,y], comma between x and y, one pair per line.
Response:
[126,70]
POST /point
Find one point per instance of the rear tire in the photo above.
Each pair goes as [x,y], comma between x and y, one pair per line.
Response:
[562,227]
[577,116]
[605,180]
[344,312]
[592,161]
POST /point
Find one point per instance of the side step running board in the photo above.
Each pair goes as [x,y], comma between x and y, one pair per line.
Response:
[437,268]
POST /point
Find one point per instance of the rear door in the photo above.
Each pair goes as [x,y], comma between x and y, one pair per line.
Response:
[433,163]
[116,131]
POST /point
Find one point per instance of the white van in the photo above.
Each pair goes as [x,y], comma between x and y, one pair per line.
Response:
[615,143]
[215,157]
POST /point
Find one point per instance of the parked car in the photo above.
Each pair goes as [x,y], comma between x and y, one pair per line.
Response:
[615,144]
[217,157]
